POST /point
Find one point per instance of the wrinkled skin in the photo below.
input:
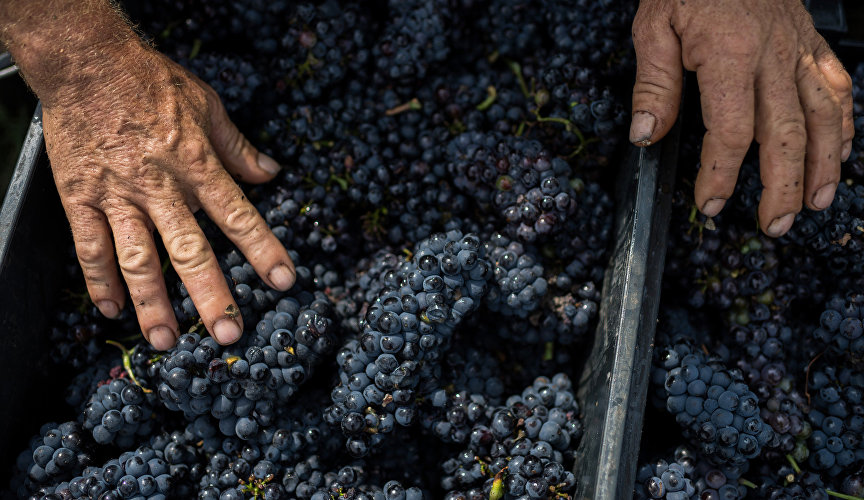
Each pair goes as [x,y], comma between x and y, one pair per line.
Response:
[141,145]
[764,73]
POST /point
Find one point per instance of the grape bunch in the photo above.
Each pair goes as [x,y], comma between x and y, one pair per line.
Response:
[521,448]
[119,412]
[405,331]
[54,456]
[840,330]
[519,282]
[414,40]
[241,385]
[670,481]
[515,180]
[716,410]
[166,468]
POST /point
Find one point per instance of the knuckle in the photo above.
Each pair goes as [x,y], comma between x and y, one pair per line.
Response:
[189,251]
[134,259]
[242,221]
[91,253]
[734,137]
[844,86]
[830,114]
[791,134]
[196,154]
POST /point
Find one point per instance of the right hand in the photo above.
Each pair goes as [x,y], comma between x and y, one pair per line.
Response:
[139,146]
[764,73]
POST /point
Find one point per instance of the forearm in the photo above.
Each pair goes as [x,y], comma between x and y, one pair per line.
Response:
[64,46]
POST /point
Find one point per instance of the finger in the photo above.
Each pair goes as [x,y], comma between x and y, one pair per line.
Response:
[657,92]
[139,262]
[841,83]
[96,255]
[225,203]
[196,265]
[727,94]
[822,116]
[782,138]
[238,155]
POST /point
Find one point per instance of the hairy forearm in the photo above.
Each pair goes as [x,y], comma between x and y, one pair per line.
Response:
[64,46]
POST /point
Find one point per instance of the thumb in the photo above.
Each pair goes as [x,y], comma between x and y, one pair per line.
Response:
[657,92]
[238,155]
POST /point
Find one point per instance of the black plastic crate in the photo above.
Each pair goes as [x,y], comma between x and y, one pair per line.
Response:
[34,237]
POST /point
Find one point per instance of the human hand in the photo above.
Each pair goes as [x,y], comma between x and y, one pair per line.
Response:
[763,72]
[140,146]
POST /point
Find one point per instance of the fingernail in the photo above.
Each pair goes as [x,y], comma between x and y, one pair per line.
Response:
[713,207]
[268,164]
[824,196]
[641,128]
[108,308]
[161,337]
[847,150]
[226,331]
[282,277]
[780,225]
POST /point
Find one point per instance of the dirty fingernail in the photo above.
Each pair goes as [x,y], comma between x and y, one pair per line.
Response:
[268,164]
[641,128]
[108,308]
[713,206]
[161,337]
[824,196]
[226,331]
[282,277]
[847,150]
[780,225]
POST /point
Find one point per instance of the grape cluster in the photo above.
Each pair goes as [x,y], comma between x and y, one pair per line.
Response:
[321,45]
[166,468]
[512,26]
[241,385]
[837,421]
[119,412]
[522,448]
[519,282]
[719,413]
[836,233]
[414,40]
[55,455]
[662,479]
[840,330]
[405,331]
[348,484]
[516,180]
[472,389]
[807,485]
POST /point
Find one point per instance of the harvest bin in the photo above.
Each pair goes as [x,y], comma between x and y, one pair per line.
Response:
[34,238]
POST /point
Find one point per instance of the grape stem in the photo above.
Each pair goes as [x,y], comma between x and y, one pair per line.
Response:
[843,496]
[794,464]
[412,105]
[747,483]
[127,363]
[517,70]
[491,95]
